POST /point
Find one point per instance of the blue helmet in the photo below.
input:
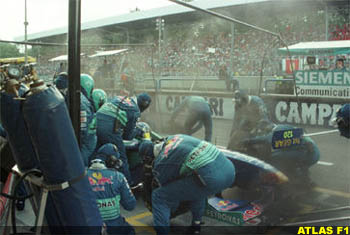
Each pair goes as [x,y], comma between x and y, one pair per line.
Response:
[61,81]
[241,98]
[109,155]
[146,149]
[143,101]
[343,120]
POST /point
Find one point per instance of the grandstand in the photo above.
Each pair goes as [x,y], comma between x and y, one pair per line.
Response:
[197,44]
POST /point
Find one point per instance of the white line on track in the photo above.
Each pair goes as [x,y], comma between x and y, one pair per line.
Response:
[325,163]
[322,133]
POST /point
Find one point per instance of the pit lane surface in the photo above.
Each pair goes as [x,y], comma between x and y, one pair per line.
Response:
[332,190]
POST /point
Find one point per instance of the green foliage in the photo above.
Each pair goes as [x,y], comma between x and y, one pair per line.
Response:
[8,50]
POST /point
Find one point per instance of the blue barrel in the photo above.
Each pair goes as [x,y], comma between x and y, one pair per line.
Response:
[17,134]
[52,134]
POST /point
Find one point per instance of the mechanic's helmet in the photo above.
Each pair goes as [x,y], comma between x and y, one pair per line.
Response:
[146,149]
[143,126]
[143,101]
[61,81]
[97,162]
[145,129]
[99,97]
[108,153]
[343,120]
[240,97]
[87,83]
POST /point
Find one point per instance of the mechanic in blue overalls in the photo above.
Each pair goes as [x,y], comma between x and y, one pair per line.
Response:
[198,113]
[88,138]
[186,169]
[252,125]
[250,118]
[111,189]
[343,120]
[116,120]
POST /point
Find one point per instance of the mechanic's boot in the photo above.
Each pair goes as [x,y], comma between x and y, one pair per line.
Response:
[195,228]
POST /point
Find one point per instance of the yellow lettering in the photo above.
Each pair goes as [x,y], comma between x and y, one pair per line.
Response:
[342,230]
[322,230]
[278,143]
[329,230]
[339,230]
[308,230]
[287,134]
[301,230]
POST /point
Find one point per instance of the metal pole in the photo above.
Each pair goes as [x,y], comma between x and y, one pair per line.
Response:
[127,36]
[25,32]
[326,14]
[74,64]
[86,45]
[159,37]
[232,45]
[224,17]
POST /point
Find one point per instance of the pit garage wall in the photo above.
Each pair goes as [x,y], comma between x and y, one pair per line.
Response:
[283,108]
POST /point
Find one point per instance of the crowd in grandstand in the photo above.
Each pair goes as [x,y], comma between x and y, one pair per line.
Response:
[204,55]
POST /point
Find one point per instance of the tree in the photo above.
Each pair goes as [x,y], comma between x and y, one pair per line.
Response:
[8,50]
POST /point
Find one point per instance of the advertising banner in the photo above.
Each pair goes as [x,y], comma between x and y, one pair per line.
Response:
[323,84]
[312,112]
[221,107]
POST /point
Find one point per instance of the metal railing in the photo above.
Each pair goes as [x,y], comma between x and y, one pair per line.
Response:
[275,80]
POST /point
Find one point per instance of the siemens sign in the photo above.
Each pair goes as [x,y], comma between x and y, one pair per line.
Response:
[322,78]
[330,84]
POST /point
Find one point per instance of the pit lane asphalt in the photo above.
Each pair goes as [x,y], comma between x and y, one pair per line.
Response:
[332,190]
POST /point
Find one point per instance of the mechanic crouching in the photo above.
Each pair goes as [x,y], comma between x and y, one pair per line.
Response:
[111,189]
[185,169]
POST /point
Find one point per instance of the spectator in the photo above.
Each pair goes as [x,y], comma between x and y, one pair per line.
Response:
[339,64]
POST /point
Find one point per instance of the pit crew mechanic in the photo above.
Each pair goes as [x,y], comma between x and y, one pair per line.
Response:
[87,113]
[250,116]
[99,97]
[116,120]
[198,112]
[111,189]
[342,120]
[186,169]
